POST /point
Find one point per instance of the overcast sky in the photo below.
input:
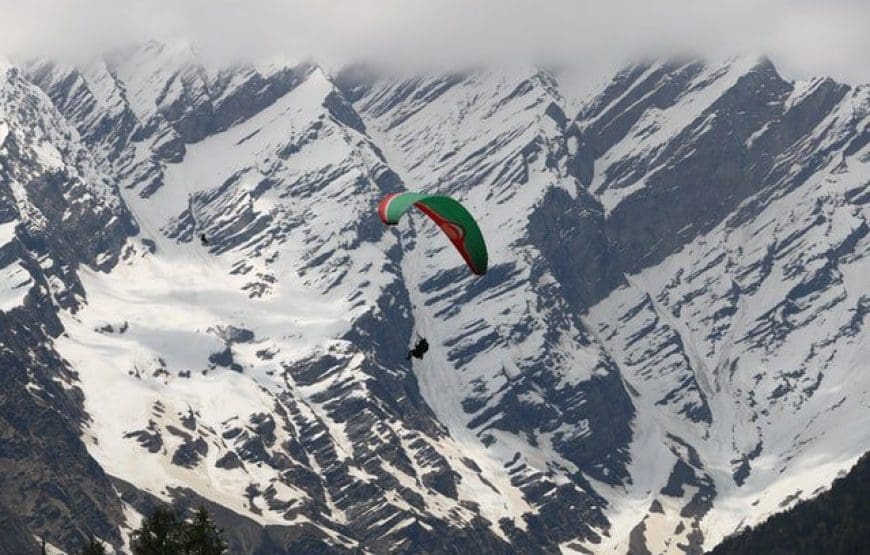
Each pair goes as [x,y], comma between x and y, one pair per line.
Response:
[803,37]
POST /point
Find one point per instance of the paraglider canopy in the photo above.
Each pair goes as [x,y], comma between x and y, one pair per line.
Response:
[453,219]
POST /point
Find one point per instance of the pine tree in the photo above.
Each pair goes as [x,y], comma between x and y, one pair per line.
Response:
[160,534]
[93,548]
[202,537]
[164,534]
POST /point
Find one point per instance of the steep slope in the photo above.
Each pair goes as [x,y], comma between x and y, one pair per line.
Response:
[51,192]
[690,162]
[515,372]
[740,342]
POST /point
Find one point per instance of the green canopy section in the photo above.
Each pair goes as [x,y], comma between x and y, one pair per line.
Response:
[453,219]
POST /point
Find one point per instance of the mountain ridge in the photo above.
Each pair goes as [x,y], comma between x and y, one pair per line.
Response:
[553,384]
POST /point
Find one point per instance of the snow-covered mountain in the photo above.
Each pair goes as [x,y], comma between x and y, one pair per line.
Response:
[669,344]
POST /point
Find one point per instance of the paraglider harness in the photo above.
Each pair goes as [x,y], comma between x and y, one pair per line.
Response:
[419,349]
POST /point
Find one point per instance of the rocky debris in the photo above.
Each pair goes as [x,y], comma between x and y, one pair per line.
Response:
[190,453]
[189,420]
[150,438]
[225,359]
[233,334]
[229,461]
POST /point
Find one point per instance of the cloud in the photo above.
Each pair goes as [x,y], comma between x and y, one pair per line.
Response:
[803,37]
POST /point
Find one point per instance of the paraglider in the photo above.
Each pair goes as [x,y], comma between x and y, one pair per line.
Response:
[453,219]
[419,349]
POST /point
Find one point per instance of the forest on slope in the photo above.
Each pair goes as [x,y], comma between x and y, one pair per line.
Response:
[837,521]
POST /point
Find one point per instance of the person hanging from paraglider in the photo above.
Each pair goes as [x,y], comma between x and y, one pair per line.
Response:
[203,239]
[454,220]
[419,349]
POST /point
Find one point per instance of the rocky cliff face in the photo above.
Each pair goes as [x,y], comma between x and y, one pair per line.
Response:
[658,355]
